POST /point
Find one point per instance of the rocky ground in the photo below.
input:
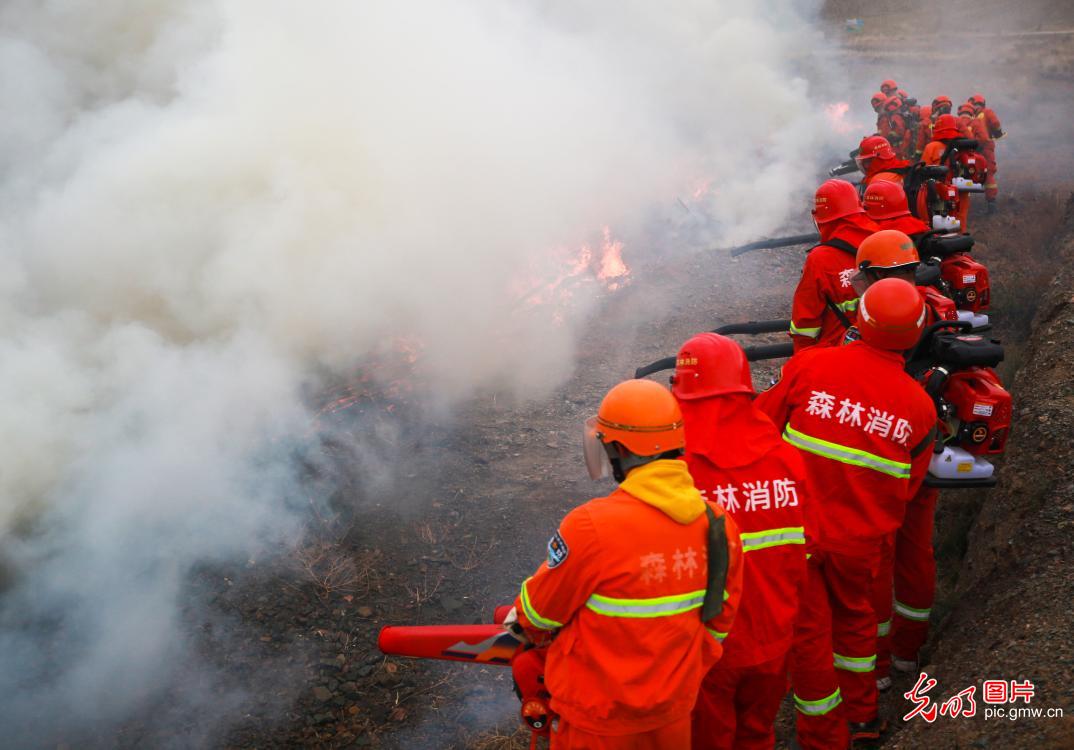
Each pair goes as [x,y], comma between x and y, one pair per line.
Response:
[467,516]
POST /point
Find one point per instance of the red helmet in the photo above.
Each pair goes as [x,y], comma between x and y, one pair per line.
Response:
[966,109]
[873,146]
[835,199]
[977,100]
[891,315]
[893,104]
[901,93]
[710,365]
[878,100]
[889,87]
[885,200]
[946,127]
[886,249]
[941,105]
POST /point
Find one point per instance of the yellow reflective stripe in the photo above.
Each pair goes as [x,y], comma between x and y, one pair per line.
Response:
[661,606]
[850,304]
[854,663]
[755,540]
[818,707]
[716,634]
[846,455]
[535,619]
[883,628]
[810,332]
[910,613]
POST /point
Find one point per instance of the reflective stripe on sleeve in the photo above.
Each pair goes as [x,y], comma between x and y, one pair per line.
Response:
[855,663]
[807,332]
[716,634]
[662,606]
[850,304]
[755,540]
[910,613]
[883,628]
[543,623]
[819,707]
[843,454]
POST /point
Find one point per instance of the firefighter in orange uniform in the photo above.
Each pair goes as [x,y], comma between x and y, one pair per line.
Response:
[947,129]
[989,131]
[966,122]
[877,103]
[865,430]
[877,161]
[640,586]
[885,203]
[897,130]
[737,458]
[941,105]
[907,557]
[888,87]
[824,300]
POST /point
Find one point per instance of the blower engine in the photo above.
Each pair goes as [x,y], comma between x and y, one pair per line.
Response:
[974,408]
[946,264]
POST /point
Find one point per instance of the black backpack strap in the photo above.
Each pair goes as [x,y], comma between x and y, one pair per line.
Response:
[926,441]
[838,313]
[718,560]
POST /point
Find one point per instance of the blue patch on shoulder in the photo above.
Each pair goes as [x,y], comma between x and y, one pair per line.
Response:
[557,550]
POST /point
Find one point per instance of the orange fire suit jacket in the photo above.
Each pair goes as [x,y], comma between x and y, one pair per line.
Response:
[899,135]
[924,129]
[865,429]
[623,584]
[825,286]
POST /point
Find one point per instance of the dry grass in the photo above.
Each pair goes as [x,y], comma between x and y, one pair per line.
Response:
[422,592]
[498,739]
[334,570]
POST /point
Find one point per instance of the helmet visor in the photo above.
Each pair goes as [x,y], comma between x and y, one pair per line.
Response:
[596,459]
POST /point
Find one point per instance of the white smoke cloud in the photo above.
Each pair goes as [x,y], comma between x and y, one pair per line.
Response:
[207,207]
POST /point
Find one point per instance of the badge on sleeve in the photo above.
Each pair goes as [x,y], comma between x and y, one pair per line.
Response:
[557,550]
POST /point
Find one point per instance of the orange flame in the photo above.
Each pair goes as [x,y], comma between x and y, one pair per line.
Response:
[837,118]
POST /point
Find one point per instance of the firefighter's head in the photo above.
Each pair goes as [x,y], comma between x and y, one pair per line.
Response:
[834,200]
[978,102]
[907,100]
[710,365]
[889,87]
[965,110]
[872,147]
[891,315]
[638,422]
[887,254]
[941,105]
[885,200]
[946,128]
[878,101]
[893,104]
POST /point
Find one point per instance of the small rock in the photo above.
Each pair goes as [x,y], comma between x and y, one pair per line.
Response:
[365,611]
[352,710]
[322,693]
[365,671]
[350,687]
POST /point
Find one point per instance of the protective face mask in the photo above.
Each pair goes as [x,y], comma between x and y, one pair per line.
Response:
[596,459]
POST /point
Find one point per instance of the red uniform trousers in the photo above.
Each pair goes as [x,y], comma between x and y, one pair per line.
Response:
[834,654]
[675,735]
[736,708]
[817,698]
[915,576]
[987,149]
[909,566]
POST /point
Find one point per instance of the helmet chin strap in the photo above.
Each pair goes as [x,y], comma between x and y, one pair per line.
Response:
[623,461]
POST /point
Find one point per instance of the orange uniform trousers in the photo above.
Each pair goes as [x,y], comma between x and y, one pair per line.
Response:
[674,736]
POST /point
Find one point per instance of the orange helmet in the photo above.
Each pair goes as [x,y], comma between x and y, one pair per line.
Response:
[873,146]
[889,87]
[891,315]
[965,109]
[885,200]
[977,100]
[893,104]
[901,93]
[946,127]
[642,416]
[887,249]
[835,199]
[878,100]
[710,365]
